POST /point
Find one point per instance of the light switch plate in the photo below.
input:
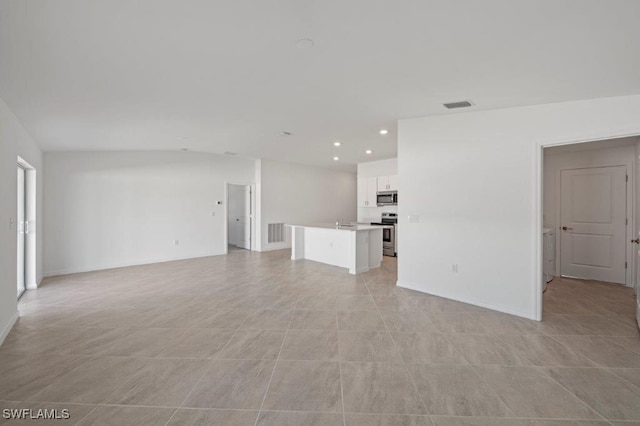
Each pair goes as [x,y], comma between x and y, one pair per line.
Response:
[414,218]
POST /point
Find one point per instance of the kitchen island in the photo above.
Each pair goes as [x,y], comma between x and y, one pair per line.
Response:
[356,247]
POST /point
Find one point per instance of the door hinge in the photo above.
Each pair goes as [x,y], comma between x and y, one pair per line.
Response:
[627,178]
[625,265]
[626,221]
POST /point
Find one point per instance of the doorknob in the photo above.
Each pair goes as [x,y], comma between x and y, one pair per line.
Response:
[636,241]
[564,228]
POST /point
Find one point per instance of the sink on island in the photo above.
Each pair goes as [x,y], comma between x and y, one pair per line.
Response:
[352,246]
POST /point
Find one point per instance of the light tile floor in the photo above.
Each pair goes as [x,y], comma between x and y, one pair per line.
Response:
[254,338]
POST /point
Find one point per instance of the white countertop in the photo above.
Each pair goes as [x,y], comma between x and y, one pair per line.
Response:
[343,227]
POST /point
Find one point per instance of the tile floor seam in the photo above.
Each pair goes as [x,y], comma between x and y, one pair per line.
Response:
[344,417]
[211,363]
[124,383]
[87,415]
[404,364]
[544,370]
[636,385]
[598,364]
[562,419]
[531,364]
[108,405]
[275,365]
[511,417]
[57,378]
[175,410]
[620,346]
[448,338]
[495,392]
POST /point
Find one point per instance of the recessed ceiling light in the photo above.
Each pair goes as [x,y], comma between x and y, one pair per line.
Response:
[336,158]
[337,143]
[384,131]
[184,149]
[368,151]
[304,43]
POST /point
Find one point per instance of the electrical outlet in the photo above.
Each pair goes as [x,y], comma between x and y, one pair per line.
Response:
[454,267]
[414,218]
[176,242]
[213,213]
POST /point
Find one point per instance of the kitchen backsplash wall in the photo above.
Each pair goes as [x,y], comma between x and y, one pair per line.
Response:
[373,214]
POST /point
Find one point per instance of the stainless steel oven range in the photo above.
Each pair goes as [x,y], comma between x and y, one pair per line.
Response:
[390,222]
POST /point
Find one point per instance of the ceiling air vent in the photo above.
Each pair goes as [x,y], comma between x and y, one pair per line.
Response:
[461,104]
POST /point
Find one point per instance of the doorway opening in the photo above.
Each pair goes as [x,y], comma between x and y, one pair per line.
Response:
[22,226]
[590,224]
[240,216]
[25,227]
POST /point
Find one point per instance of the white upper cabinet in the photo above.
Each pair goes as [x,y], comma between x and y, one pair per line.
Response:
[388,183]
[393,183]
[367,188]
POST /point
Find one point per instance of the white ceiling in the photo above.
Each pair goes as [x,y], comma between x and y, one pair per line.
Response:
[226,75]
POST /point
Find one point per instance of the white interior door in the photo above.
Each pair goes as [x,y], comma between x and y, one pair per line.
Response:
[22,229]
[244,218]
[593,209]
[232,226]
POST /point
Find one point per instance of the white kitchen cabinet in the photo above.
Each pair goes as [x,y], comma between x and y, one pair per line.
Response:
[393,183]
[367,188]
[388,183]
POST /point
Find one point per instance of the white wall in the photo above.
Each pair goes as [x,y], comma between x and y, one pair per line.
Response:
[474,181]
[111,209]
[14,142]
[294,193]
[555,162]
[387,167]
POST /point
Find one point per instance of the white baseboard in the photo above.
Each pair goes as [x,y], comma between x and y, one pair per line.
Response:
[34,285]
[473,302]
[9,326]
[78,270]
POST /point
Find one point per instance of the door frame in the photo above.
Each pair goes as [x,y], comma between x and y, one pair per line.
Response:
[538,213]
[629,196]
[21,220]
[252,236]
[30,176]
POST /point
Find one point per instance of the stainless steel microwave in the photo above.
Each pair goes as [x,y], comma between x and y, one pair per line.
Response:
[387,198]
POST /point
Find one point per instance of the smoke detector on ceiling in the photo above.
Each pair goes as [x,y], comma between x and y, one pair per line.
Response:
[304,43]
[460,104]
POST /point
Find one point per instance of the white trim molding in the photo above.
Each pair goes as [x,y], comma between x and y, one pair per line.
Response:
[9,326]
